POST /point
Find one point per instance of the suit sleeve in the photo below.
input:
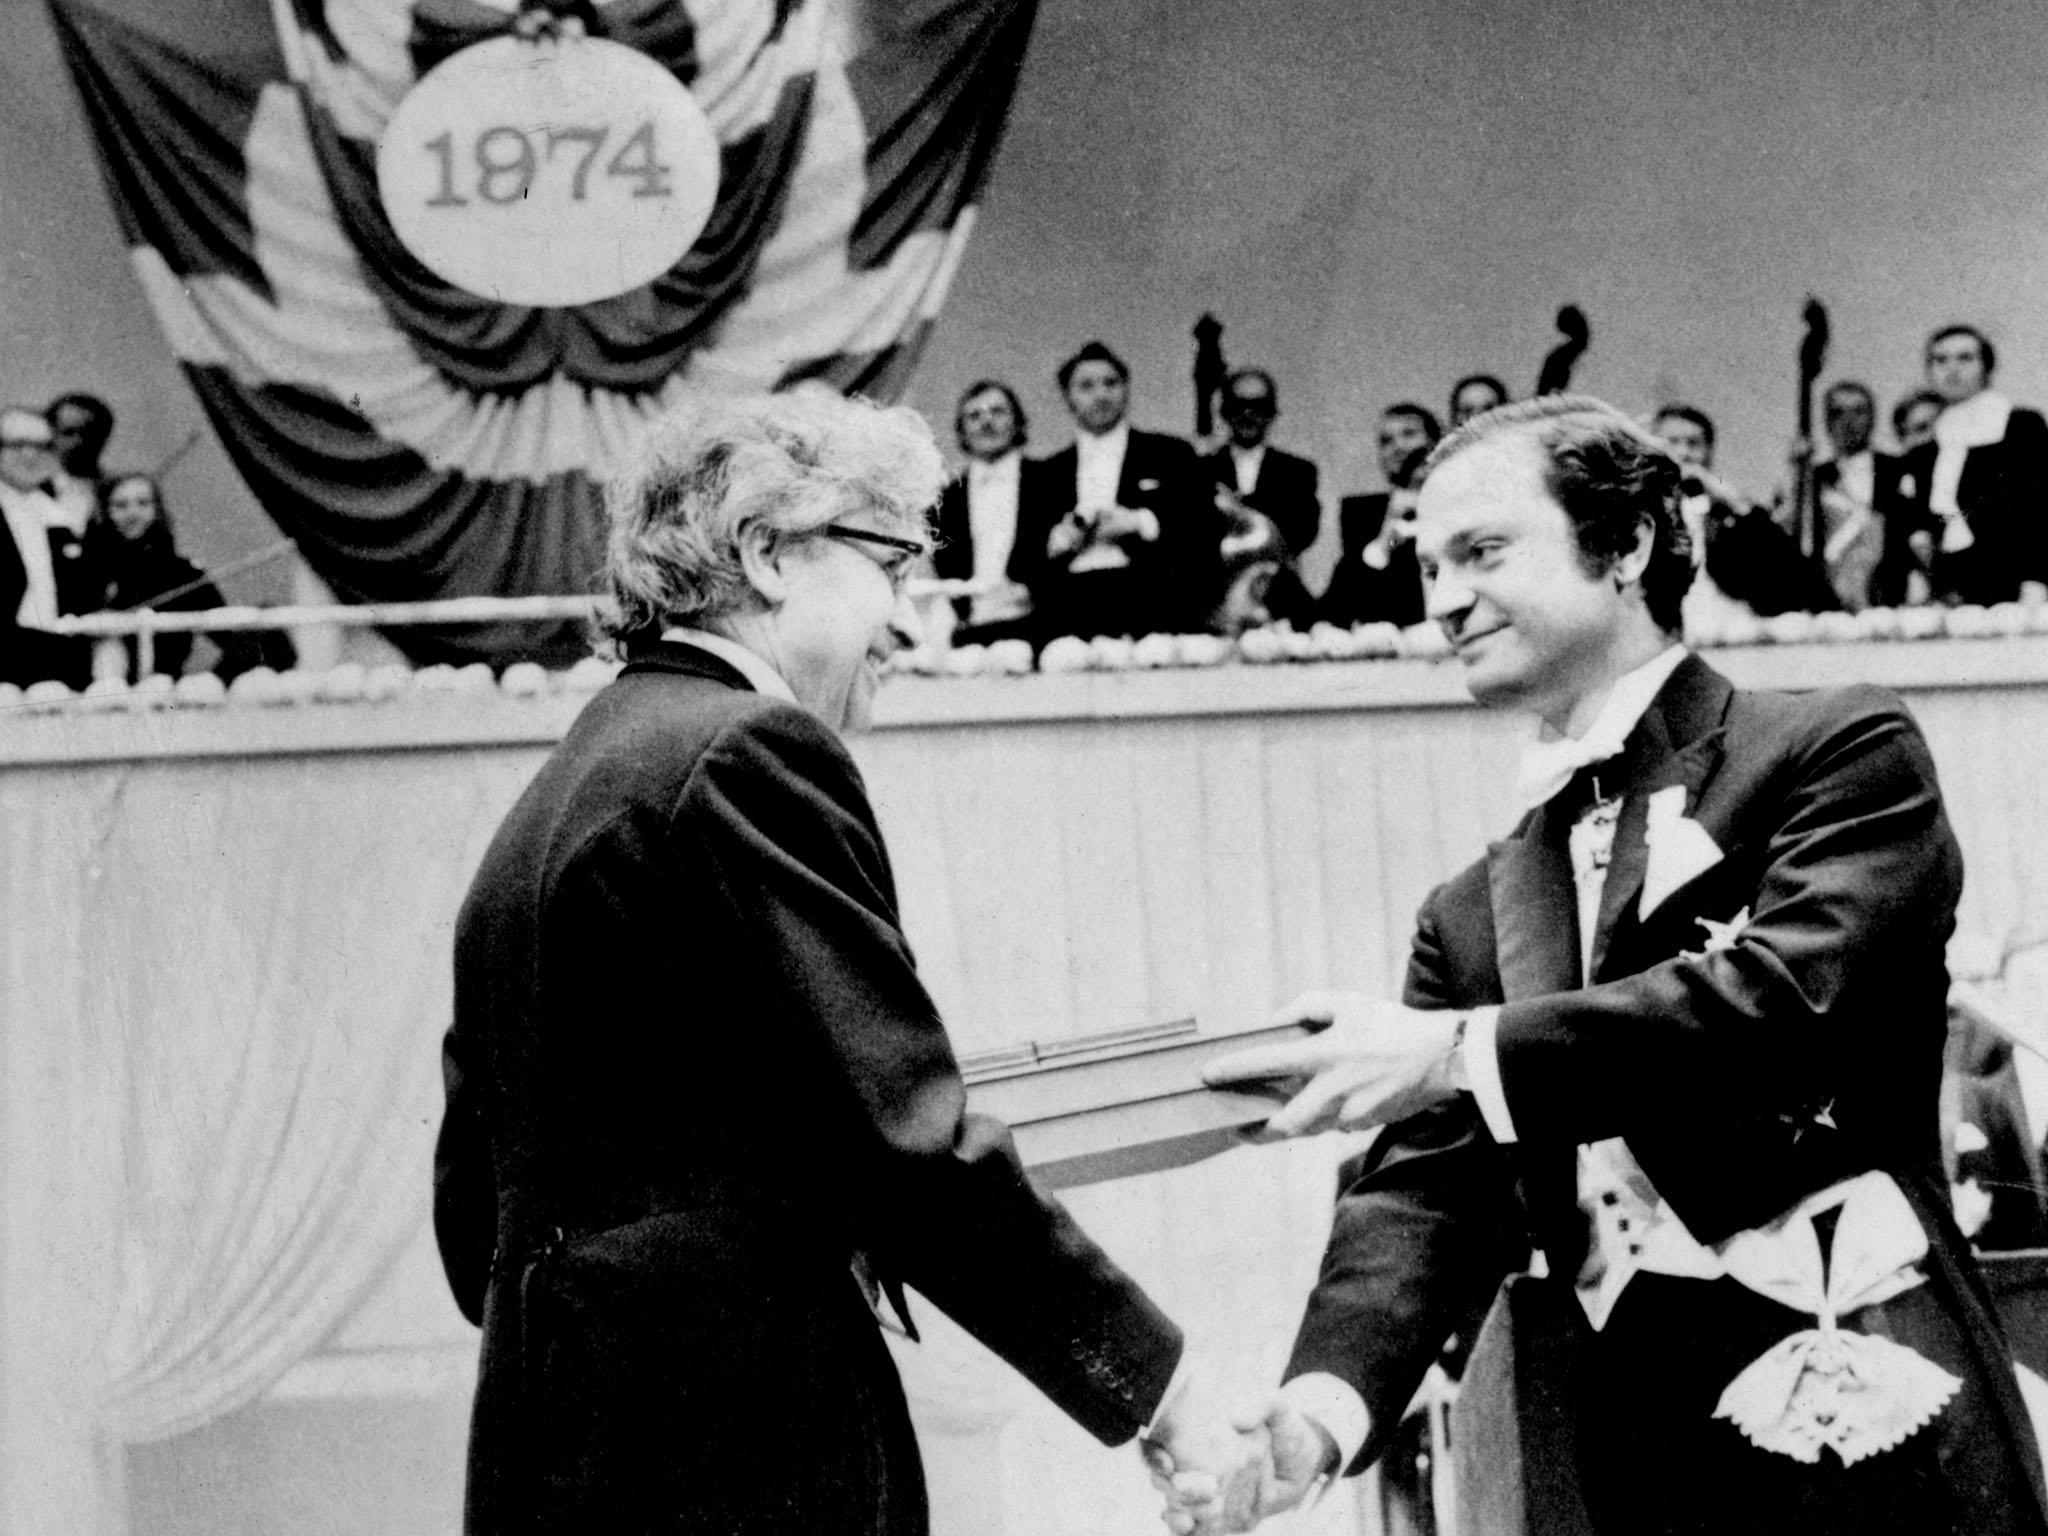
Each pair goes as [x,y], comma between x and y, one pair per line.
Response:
[778,811]
[465,1183]
[1810,1004]
[1427,1225]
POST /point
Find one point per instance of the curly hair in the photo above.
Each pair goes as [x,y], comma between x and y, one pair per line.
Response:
[795,461]
[1610,476]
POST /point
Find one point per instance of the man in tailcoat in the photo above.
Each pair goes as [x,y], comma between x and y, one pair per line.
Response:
[1117,533]
[1680,1033]
[703,1122]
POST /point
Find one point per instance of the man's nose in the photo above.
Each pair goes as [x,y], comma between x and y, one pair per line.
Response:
[1446,595]
[905,624]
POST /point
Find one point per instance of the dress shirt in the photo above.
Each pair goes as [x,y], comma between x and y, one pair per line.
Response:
[29,516]
[764,678]
[1100,466]
[992,489]
[1247,462]
[1974,423]
[74,501]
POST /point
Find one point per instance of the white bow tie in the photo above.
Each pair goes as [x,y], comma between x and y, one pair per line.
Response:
[1547,766]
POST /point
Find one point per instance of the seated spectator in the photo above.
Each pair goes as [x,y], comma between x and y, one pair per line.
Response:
[1983,480]
[1913,419]
[1863,511]
[1117,534]
[1748,565]
[131,544]
[29,588]
[1376,578]
[82,426]
[1474,395]
[1249,473]
[977,521]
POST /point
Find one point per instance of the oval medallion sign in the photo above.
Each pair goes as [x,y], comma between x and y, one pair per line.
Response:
[551,172]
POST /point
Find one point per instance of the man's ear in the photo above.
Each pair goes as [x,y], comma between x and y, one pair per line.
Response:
[1631,563]
[762,551]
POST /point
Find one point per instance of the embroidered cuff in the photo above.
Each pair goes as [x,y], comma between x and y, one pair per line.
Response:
[1335,1404]
[1482,1066]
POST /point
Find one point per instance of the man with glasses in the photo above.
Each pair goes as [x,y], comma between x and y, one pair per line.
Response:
[703,1121]
[29,582]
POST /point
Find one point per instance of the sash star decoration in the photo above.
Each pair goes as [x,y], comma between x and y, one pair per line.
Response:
[421,441]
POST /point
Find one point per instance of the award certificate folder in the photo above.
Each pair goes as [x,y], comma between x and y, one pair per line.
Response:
[1126,1102]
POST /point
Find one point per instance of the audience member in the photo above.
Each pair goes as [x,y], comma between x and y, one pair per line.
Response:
[1474,395]
[1376,579]
[82,426]
[1747,564]
[1862,511]
[1913,419]
[29,590]
[1117,534]
[1983,480]
[132,545]
[977,522]
[1251,474]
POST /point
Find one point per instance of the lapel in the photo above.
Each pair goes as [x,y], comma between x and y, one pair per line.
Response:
[1535,908]
[1529,874]
[1678,741]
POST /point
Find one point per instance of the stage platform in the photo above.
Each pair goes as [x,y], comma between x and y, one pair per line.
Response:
[226,937]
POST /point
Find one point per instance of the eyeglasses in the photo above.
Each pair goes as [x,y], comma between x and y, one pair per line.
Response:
[896,565]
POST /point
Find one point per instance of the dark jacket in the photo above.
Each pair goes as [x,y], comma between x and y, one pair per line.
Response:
[692,1073]
[2003,493]
[1286,492]
[1743,1080]
[1170,584]
[1359,593]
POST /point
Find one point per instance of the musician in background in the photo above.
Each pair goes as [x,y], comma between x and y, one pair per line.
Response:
[1748,564]
[1249,473]
[1474,395]
[977,518]
[1984,479]
[1376,579]
[1862,504]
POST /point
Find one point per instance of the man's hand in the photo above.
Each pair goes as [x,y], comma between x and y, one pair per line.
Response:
[1372,1062]
[1285,1457]
[1121,522]
[1208,1468]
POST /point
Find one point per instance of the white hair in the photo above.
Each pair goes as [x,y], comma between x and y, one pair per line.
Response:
[796,461]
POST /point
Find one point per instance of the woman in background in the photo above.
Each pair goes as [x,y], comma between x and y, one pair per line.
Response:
[131,547]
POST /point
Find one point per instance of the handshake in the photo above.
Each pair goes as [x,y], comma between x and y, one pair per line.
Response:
[1225,1465]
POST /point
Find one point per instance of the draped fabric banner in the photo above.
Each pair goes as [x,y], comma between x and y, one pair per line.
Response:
[421,441]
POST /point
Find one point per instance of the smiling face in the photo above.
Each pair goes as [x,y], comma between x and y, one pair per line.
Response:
[1404,442]
[1098,395]
[132,506]
[27,455]
[843,614]
[1535,629]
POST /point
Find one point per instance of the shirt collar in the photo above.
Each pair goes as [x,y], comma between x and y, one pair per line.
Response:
[1547,766]
[1111,441]
[763,678]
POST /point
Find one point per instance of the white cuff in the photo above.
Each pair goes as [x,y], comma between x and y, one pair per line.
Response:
[1482,1068]
[1335,1404]
[1148,525]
